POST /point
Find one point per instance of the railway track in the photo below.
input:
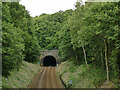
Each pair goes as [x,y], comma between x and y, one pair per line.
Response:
[46,78]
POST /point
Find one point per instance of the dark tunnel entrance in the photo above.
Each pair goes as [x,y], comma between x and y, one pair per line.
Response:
[49,61]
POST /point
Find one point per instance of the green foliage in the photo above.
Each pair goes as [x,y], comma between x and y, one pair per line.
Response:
[19,40]
[78,34]
[13,47]
[47,28]
[65,46]
[89,26]
[86,30]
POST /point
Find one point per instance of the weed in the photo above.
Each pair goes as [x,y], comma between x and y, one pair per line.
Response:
[84,77]
[22,77]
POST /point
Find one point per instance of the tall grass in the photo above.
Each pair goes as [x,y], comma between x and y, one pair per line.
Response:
[21,78]
[82,76]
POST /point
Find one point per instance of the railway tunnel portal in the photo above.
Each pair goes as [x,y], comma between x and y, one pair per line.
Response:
[49,58]
[49,61]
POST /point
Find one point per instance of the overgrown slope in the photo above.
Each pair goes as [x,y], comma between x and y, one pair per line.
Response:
[82,76]
[21,78]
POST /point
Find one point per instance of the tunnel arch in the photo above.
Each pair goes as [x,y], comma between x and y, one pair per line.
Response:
[49,61]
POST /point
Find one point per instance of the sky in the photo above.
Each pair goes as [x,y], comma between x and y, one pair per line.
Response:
[38,7]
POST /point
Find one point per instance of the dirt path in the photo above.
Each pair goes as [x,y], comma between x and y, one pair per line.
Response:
[46,78]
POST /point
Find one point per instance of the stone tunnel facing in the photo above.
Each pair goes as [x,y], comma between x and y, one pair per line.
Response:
[49,61]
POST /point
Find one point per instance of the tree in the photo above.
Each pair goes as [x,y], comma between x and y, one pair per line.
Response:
[18,37]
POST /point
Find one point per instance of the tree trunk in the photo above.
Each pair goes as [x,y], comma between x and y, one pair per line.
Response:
[106,61]
[102,57]
[109,53]
[85,55]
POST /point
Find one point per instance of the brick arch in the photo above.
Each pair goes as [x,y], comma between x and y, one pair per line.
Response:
[53,53]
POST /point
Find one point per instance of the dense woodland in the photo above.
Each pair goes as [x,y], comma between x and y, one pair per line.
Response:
[87,35]
[19,41]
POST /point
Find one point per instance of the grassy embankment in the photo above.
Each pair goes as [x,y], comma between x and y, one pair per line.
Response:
[21,78]
[82,76]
